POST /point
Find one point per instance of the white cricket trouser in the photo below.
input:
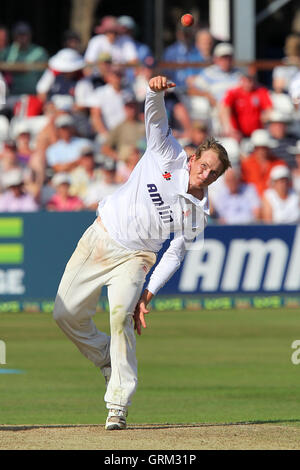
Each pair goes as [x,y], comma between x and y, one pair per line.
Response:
[97,261]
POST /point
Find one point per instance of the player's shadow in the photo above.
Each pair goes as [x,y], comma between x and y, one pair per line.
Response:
[147,426]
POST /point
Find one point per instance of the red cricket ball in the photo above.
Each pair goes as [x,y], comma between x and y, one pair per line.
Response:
[187,20]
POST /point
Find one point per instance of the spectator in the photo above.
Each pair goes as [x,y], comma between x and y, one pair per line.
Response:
[108,102]
[182,50]
[294,90]
[144,52]
[15,198]
[62,201]
[86,86]
[128,132]
[111,40]
[72,40]
[3,42]
[85,174]
[97,192]
[63,72]
[236,202]
[22,50]
[215,80]
[8,157]
[296,167]
[129,157]
[64,155]
[282,74]
[24,150]
[199,132]
[204,42]
[280,202]
[278,130]
[244,108]
[257,166]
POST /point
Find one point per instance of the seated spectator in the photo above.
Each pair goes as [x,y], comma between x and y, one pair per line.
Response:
[129,26]
[86,86]
[15,198]
[282,74]
[245,108]
[3,42]
[72,40]
[62,201]
[278,130]
[294,90]
[236,202]
[110,40]
[257,166]
[97,192]
[199,132]
[296,166]
[129,157]
[108,102]
[128,132]
[64,155]
[63,72]
[24,150]
[204,42]
[213,81]
[22,50]
[280,204]
[85,174]
[182,50]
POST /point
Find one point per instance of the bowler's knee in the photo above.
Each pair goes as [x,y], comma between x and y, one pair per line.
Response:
[60,312]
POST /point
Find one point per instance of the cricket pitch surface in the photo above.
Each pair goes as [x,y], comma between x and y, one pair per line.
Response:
[151,437]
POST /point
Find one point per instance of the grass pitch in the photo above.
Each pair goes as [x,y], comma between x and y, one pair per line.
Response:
[214,367]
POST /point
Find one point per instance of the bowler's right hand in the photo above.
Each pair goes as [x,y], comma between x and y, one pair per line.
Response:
[160,83]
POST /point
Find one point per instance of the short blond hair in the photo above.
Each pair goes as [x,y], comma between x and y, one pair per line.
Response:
[212,144]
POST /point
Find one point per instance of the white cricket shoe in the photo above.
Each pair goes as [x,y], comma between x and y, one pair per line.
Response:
[116,419]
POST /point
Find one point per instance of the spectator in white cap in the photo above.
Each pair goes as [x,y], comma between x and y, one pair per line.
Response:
[15,197]
[280,203]
[278,127]
[110,39]
[212,82]
[63,72]
[295,151]
[62,200]
[257,166]
[64,155]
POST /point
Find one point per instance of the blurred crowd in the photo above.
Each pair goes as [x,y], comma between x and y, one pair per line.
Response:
[72,133]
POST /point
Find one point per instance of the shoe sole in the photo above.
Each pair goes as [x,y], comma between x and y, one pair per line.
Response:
[114,427]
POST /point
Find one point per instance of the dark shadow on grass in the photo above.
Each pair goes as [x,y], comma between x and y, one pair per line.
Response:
[145,426]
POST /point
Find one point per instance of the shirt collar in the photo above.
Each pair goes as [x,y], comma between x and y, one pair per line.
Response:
[184,185]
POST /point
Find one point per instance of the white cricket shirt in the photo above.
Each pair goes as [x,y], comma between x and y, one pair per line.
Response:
[154,202]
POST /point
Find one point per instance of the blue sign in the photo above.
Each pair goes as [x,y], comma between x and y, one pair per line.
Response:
[256,259]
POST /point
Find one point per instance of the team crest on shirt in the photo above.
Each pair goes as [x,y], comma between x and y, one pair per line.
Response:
[167,175]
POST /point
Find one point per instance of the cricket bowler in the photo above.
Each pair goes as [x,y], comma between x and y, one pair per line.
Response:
[165,194]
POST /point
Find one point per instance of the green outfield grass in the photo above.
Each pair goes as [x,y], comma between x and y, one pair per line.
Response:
[194,367]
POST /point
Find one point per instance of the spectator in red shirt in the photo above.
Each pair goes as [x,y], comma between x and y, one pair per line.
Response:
[257,166]
[245,108]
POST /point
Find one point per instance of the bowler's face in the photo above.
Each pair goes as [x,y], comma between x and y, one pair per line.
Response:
[205,170]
